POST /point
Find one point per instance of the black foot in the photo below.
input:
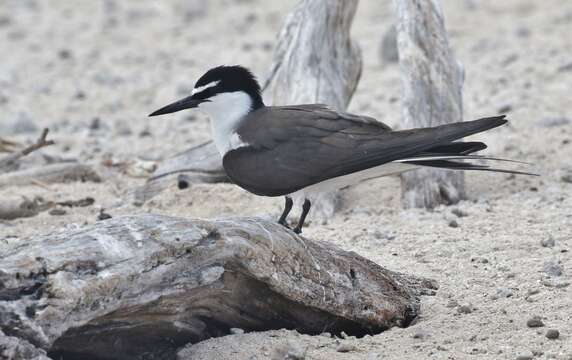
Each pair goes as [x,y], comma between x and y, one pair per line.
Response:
[284,223]
[305,210]
[287,207]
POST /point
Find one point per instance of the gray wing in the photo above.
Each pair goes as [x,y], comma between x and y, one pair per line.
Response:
[293,147]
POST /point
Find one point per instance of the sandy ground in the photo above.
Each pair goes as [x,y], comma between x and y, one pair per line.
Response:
[92,70]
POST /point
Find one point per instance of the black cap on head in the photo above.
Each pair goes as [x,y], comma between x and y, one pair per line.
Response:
[230,79]
[220,79]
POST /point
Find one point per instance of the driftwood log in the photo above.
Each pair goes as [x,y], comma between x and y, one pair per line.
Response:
[143,286]
[432,81]
[49,174]
[315,61]
[14,207]
[200,164]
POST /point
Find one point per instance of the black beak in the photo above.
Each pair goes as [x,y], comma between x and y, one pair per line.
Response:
[182,104]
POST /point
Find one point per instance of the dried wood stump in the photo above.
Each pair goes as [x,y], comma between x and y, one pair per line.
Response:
[432,82]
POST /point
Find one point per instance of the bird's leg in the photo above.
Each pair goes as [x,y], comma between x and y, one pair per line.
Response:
[287,207]
[305,210]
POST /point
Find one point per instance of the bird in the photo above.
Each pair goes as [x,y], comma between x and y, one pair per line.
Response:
[299,151]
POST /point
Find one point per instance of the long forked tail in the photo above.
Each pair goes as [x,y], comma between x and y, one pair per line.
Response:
[458,156]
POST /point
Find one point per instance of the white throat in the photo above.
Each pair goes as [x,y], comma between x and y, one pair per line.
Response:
[226,110]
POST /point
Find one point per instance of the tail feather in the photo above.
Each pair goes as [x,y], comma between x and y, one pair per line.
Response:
[458,148]
[432,157]
[458,165]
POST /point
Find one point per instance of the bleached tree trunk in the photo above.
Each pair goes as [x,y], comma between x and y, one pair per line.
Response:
[316,62]
[140,287]
[432,81]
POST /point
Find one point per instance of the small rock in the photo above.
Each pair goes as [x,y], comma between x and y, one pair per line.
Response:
[534,322]
[140,168]
[80,95]
[552,268]
[504,108]
[57,212]
[552,334]
[522,32]
[103,215]
[532,292]
[145,133]
[524,357]
[64,54]
[345,347]
[420,334]
[549,122]
[453,224]
[465,309]
[452,303]
[95,124]
[326,334]
[502,293]
[480,259]
[236,331]
[548,242]
[459,213]
[291,350]
[566,176]
[537,353]
[565,67]
[509,60]
[555,284]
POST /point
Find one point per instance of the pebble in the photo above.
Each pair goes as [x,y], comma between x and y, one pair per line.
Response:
[505,108]
[502,293]
[236,331]
[420,334]
[524,357]
[565,67]
[103,215]
[567,176]
[452,304]
[532,292]
[453,224]
[552,334]
[465,309]
[548,242]
[459,213]
[522,32]
[552,268]
[345,347]
[57,212]
[549,122]
[291,350]
[534,322]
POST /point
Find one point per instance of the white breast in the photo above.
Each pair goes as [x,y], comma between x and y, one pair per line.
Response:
[226,110]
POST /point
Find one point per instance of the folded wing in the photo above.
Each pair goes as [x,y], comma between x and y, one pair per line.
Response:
[289,148]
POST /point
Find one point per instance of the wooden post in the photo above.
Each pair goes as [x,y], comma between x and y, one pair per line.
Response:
[432,83]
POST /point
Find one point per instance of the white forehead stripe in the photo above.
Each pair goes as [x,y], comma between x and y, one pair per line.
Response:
[204,87]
